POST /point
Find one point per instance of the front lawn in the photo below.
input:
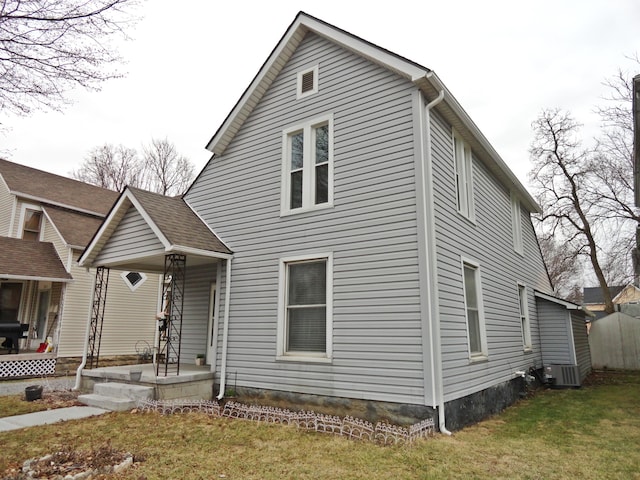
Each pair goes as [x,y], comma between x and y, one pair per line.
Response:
[590,433]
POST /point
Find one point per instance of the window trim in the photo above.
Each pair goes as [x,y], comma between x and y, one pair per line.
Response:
[299,93]
[516,223]
[483,354]
[308,168]
[131,286]
[525,322]
[463,177]
[315,357]
[23,214]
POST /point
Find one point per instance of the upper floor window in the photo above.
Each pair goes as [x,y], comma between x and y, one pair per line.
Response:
[516,219]
[473,309]
[463,166]
[31,225]
[307,170]
[524,316]
[307,82]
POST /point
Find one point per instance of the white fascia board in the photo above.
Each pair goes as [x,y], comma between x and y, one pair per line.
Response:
[55,228]
[134,201]
[473,129]
[88,254]
[34,198]
[197,251]
[281,54]
[39,279]
[568,305]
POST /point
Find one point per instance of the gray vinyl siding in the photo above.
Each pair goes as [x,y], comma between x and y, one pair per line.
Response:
[581,343]
[133,236]
[487,241]
[6,209]
[198,282]
[371,231]
[555,333]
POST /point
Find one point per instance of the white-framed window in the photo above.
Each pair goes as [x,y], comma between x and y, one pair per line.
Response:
[473,309]
[31,221]
[307,166]
[523,304]
[305,308]
[463,171]
[307,82]
[133,280]
[516,220]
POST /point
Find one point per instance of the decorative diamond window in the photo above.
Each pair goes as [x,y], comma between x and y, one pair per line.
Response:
[133,279]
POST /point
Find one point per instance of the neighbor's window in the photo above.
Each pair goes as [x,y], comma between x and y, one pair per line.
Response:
[133,279]
[524,316]
[307,173]
[516,219]
[305,308]
[307,82]
[31,226]
[463,166]
[473,308]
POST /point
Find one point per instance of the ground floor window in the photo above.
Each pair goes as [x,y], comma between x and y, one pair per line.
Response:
[305,315]
[10,296]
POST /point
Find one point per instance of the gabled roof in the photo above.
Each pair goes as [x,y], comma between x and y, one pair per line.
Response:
[424,78]
[559,301]
[594,296]
[174,223]
[45,187]
[76,229]
[30,260]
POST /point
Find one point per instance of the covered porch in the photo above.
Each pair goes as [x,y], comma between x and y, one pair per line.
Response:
[150,233]
[32,287]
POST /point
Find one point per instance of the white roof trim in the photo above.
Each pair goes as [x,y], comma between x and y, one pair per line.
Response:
[29,277]
[197,251]
[55,228]
[568,305]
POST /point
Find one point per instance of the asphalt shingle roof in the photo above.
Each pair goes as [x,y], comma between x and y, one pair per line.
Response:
[178,223]
[51,188]
[26,258]
[76,228]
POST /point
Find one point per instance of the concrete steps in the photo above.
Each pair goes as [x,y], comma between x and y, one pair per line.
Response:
[116,396]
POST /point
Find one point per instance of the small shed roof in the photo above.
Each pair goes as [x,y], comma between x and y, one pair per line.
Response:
[30,260]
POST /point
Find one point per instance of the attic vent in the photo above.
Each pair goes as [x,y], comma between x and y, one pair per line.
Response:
[307,82]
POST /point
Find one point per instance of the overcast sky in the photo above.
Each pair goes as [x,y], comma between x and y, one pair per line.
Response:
[188,63]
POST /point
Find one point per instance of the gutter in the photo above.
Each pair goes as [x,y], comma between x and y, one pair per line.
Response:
[225,333]
[430,234]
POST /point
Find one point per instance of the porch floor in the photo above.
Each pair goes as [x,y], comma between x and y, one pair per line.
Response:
[193,382]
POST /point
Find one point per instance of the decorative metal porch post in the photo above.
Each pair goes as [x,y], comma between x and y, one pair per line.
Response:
[173,301]
[97,316]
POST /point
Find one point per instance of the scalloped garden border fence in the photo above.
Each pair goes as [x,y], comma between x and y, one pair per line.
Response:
[352,428]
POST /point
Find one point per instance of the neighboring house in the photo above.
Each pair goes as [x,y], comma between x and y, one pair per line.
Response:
[593,300]
[365,250]
[45,222]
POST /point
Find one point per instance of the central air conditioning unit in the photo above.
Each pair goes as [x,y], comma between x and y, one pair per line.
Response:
[562,375]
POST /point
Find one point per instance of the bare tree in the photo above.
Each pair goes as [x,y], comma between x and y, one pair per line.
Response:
[112,167]
[564,266]
[167,172]
[161,169]
[563,180]
[50,46]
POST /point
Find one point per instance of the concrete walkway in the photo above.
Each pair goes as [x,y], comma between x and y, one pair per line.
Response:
[47,417]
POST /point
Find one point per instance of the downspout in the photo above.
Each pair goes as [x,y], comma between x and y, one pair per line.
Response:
[86,335]
[430,227]
[225,333]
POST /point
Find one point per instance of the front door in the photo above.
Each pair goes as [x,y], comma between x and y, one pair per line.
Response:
[213,324]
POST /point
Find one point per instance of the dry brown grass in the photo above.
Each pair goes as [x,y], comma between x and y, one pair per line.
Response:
[590,433]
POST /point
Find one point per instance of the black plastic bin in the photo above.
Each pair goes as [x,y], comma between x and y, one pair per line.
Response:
[33,392]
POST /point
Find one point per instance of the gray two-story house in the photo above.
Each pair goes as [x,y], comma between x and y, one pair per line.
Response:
[366,250]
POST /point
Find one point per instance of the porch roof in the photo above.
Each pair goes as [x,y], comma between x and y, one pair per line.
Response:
[176,227]
[30,260]
[75,228]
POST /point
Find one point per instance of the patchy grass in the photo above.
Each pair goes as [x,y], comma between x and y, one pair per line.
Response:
[590,433]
